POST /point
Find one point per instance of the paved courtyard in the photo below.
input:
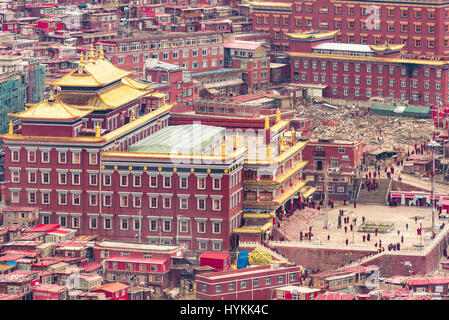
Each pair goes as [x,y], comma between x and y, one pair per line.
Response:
[401,217]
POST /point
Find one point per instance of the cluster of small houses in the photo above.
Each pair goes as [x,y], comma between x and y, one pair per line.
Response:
[47,262]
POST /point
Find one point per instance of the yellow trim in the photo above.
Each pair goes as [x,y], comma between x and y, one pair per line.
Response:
[279,125]
[254,230]
[291,171]
[316,35]
[287,194]
[269,4]
[307,192]
[366,59]
[258,215]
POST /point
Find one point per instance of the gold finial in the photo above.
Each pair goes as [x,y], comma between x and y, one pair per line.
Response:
[133,116]
[278,115]
[97,131]
[223,148]
[92,54]
[81,59]
[237,141]
[267,123]
[52,97]
[101,51]
[268,151]
[293,137]
[11,127]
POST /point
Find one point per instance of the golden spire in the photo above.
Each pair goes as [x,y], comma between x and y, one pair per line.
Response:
[92,54]
[81,59]
[96,55]
[101,51]
[293,137]
[11,127]
[278,115]
[223,149]
[237,141]
[51,98]
[267,123]
[133,115]
[97,131]
[269,151]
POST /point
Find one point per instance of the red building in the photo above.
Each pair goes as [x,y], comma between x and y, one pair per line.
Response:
[113,291]
[420,26]
[196,52]
[341,159]
[359,71]
[50,292]
[219,261]
[154,273]
[254,283]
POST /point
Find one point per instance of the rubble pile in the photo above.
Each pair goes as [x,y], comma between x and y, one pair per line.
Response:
[354,123]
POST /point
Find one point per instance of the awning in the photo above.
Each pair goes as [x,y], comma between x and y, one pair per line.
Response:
[274,65]
[396,196]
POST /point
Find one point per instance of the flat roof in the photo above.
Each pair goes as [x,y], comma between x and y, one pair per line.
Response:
[298,289]
[343,47]
[182,139]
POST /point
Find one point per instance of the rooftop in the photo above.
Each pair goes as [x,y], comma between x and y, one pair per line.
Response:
[112,287]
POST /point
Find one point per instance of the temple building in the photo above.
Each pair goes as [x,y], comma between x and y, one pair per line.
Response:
[99,157]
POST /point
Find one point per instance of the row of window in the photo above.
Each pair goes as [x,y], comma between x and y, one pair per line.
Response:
[256,282]
[134,224]
[415,97]
[45,156]
[124,179]
[354,67]
[165,44]
[125,200]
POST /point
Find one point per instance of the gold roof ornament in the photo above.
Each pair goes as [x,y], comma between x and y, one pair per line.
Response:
[91,54]
[11,127]
[293,135]
[97,131]
[223,149]
[81,59]
[101,51]
[267,123]
[133,115]
[278,115]
[237,141]
[52,97]
[269,151]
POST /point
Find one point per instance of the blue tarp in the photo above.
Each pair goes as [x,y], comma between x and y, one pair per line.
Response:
[242,259]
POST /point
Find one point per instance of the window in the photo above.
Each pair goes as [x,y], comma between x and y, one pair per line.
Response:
[31,156]
[167,182]
[216,204]
[93,222]
[32,177]
[93,179]
[107,223]
[45,198]
[183,183]
[201,183]
[153,225]
[62,199]
[137,181]
[216,227]
[166,226]
[137,201]
[93,200]
[216,184]
[62,178]
[62,157]
[201,227]
[136,225]
[166,203]
[107,180]
[281,279]
[15,176]
[243,284]
[201,204]
[45,156]
[93,158]
[153,181]
[124,201]
[123,225]
[183,203]
[123,180]
[76,157]
[107,200]
[76,199]
[153,202]
[76,222]
[15,155]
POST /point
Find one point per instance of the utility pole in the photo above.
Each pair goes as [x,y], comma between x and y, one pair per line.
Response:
[433,146]
[326,195]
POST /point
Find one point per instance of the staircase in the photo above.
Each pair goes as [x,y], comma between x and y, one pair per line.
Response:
[374,197]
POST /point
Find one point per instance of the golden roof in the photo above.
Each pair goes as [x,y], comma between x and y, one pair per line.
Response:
[387,47]
[254,229]
[269,4]
[95,73]
[312,34]
[51,109]
[107,98]
[135,84]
